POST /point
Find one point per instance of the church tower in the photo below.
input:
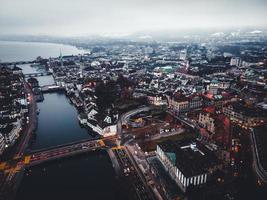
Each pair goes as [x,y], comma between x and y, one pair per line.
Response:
[61,59]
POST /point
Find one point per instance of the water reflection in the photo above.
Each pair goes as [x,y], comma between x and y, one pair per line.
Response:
[57,122]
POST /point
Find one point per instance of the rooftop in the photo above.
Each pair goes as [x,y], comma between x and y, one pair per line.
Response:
[249,111]
[190,156]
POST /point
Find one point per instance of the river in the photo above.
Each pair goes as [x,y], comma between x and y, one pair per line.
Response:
[88,176]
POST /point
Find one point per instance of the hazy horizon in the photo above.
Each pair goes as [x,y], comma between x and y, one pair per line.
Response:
[124,17]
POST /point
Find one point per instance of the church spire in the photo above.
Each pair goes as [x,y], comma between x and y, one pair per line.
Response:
[61,60]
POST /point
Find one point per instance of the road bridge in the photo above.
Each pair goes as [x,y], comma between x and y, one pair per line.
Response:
[70,149]
[37,74]
[51,88]
[17,62]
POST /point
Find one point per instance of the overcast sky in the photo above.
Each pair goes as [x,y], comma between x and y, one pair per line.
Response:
[85,17]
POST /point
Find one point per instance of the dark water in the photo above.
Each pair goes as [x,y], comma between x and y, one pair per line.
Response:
[57,122]
[88,176]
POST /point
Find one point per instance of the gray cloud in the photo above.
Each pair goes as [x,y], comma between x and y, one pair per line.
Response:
[82,17]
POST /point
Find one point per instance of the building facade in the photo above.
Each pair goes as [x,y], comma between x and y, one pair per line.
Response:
[188,163]
[2,144]
[245,116]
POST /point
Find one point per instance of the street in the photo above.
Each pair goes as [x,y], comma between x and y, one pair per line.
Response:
[134,176]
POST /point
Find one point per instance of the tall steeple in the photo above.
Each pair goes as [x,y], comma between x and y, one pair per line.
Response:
[61,60]
[81,66]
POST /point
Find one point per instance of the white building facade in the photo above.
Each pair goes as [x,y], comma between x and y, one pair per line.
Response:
[177,175]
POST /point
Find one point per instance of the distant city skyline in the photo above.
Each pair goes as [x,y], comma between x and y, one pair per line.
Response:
[124,17]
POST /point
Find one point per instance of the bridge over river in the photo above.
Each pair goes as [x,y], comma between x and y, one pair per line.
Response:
[70,149]
[51,153]
[52,88]
[14,169]
[37,74]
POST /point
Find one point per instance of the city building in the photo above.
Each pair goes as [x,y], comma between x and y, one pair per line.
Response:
[2,144]
[217,100]
[183,55]
[245,115]
[157,100]
[13,105]
[189,163]
[178,103]
[11,132]
[236,61]
[195,102]
[217,126]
